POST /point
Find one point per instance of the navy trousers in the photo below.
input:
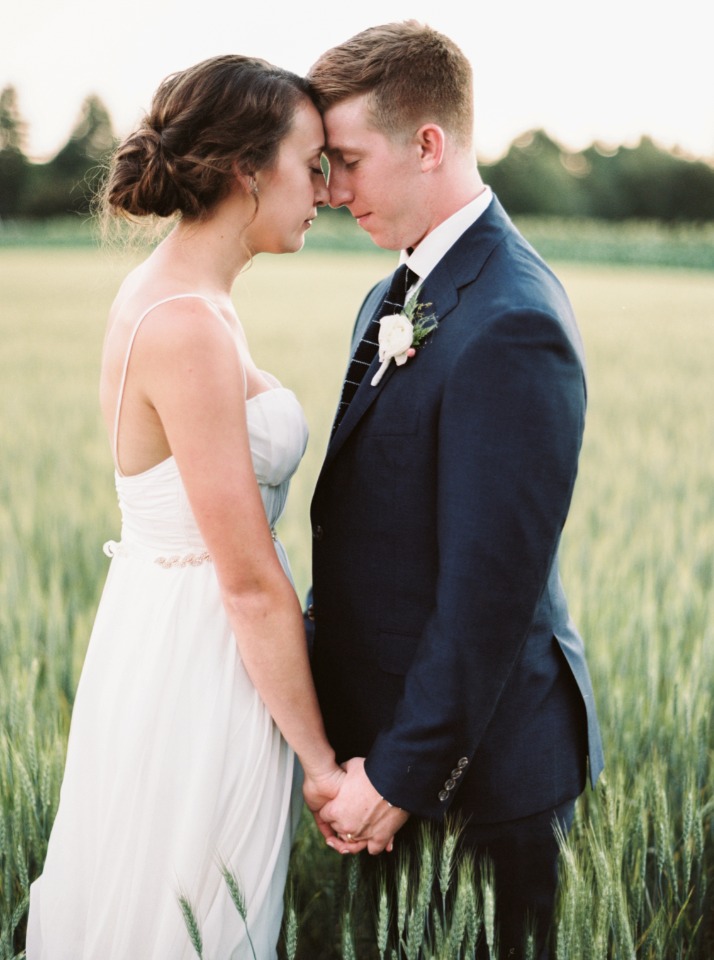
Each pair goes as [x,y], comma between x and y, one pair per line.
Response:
[524,856]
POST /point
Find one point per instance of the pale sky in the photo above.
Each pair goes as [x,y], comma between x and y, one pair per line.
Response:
[611,70]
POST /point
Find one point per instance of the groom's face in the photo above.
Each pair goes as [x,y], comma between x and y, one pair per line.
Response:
[378,178]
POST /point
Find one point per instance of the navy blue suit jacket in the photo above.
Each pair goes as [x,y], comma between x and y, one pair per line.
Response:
[443,649]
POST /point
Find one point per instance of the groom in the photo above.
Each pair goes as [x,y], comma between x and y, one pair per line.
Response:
[445,660]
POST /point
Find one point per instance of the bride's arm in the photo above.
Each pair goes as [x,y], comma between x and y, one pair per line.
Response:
[186,366]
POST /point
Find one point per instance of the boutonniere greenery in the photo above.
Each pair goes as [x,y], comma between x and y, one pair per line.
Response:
[401,334]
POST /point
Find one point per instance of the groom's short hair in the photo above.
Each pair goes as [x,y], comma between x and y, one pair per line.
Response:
[411,73]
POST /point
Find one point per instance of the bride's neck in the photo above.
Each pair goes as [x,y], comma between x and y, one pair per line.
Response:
[208,253]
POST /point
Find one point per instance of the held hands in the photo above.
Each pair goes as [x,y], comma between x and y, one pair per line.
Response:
[317,790]
[356,816]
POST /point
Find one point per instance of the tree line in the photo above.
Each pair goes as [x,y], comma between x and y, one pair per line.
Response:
[536,176]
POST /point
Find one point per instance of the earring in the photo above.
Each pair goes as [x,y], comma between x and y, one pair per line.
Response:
[253,187]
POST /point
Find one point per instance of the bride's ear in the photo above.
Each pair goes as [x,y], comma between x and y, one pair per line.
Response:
[245,179]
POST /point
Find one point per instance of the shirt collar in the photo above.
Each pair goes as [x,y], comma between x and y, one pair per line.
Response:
[435,244]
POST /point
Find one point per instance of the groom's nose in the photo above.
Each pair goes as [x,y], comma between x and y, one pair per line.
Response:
[340,193]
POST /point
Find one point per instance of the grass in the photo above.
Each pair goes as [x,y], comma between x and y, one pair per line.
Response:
[637,561]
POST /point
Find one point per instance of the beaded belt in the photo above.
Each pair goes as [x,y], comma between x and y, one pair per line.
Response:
[114,548]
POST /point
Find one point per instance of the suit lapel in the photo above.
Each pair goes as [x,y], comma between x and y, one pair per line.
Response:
[458,267]
[366,393]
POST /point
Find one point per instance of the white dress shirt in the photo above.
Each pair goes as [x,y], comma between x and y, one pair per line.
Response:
[435,244]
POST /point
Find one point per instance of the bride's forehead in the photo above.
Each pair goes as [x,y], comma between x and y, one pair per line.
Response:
[307,129]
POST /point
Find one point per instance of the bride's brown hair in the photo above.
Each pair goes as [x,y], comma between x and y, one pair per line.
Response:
[224,115]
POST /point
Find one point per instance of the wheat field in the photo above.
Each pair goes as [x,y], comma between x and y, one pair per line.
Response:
[637,562]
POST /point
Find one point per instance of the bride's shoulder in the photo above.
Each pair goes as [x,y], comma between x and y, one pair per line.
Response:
[159,305]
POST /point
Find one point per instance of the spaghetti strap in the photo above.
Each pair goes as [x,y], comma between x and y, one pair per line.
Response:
[122,383]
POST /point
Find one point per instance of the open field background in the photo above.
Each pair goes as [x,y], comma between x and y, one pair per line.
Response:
[637,562]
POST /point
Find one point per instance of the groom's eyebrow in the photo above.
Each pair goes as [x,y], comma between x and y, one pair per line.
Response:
[338,151]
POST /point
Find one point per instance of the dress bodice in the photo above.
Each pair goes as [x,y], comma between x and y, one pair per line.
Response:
[156,514]
[155,510]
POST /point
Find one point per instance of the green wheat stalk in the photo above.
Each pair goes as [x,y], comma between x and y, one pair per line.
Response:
[192,926]
[238,899]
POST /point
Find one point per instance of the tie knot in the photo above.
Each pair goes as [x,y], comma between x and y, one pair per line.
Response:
[402,279]
[411,278]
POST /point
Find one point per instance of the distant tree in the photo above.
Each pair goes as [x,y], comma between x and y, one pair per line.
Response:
[67,183]
[646,175]
[608,193]
[693,193]
[537,176]
[14,165]
[646,182]
[12,126]
[91,139]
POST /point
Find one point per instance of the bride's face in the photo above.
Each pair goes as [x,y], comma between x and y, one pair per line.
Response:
[290,192]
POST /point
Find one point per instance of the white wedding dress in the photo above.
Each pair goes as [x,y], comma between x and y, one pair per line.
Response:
[174,765]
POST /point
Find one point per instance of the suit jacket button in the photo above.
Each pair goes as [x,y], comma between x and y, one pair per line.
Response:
[310,612]
[317,532]
[443,795]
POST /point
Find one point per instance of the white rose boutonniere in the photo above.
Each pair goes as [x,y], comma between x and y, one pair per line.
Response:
[401,334]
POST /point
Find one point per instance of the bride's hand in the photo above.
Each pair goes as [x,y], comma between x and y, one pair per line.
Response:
[318,789]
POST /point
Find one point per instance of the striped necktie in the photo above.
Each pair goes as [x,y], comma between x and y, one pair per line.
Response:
[402,279]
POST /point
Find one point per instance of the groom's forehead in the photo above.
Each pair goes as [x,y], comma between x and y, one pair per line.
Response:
[349,118]
[347,140]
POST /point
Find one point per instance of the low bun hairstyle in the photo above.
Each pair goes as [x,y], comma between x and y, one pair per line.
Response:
[224,113]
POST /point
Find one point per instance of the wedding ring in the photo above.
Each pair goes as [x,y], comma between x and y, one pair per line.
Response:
[348,836]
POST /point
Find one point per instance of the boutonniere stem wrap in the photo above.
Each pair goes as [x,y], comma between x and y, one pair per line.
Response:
[401,335]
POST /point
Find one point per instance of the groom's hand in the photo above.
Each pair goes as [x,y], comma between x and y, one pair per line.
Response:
[358,813]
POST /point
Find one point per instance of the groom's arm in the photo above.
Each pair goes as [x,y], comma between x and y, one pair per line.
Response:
[509,436]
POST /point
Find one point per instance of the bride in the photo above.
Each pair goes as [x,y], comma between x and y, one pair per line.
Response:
[196,691]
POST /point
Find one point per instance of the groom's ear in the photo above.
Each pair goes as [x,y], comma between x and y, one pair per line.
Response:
[431,142]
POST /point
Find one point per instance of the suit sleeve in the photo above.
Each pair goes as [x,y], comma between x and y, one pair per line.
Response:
[509,435]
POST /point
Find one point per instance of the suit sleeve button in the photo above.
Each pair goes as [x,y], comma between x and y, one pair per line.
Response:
[456,772]
[443,795]
[317,532]
[450,784]
[463,762]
